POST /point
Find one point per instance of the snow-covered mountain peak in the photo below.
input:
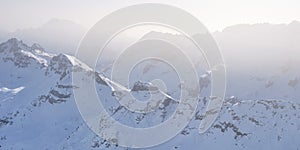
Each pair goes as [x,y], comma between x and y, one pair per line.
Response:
[13,45]
[37,47]
[38,109]
[64,64]
[22,55]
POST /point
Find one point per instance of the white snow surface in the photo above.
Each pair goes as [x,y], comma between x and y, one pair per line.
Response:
[38,109]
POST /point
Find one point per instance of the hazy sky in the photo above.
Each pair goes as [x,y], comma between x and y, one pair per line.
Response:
[215,14]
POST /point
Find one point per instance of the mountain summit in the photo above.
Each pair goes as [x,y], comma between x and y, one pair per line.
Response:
[38,110]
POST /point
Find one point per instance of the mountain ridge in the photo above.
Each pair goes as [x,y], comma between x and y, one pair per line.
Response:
[38,110]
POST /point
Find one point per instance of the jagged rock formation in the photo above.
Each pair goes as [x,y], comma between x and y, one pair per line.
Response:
[38,110]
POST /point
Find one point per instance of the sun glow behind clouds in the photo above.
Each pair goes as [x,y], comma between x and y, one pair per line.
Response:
[215,14]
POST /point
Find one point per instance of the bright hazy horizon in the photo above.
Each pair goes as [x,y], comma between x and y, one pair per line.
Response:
[214,14]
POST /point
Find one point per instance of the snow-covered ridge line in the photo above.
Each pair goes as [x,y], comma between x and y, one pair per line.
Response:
[43,115]
[18,52]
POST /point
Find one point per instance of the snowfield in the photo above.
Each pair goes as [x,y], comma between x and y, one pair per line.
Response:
[38,110]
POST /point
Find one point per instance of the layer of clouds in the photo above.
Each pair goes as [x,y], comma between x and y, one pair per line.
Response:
[215,14]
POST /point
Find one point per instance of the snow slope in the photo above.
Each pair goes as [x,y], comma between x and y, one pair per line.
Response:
[38,110]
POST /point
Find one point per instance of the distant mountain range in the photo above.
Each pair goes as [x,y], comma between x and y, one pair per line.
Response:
[261,109]
[60,35]
[56,35]
[38,109]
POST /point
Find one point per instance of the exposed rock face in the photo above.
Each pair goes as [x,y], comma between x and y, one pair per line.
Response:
[43,115]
